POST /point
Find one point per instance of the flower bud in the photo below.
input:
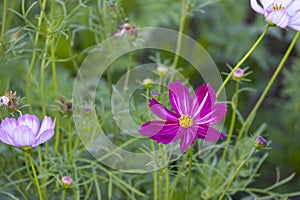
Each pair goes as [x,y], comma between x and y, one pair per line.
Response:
[155,95]
[112,6]
[132,34]
[147,83]
[238,74]
[162,70]
[11,101]
[66,181]
[260,143]
[65,106]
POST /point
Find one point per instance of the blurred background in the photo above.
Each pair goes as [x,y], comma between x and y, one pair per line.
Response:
[226,29]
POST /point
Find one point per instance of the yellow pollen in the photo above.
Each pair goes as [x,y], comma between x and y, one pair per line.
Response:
[186,121]
[278,7]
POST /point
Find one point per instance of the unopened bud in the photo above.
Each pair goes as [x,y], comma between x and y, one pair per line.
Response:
[147,83]
[238,74]
[260,143]
[162,70]
[66,181]
[155,95]
[132,34]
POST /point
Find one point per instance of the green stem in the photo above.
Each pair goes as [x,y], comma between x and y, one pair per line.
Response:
[267,88]
[31,66]
[35,177]
[161,173]
[236,172]
[179,37]
[179,173]
[242,60]
[155,192]
[128,70]
[63,196]
[3,26]
[154,172]
[189,174]
[232,124]
[167,183]
[70,138]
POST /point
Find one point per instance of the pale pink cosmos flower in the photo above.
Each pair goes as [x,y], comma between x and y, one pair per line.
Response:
[26,131]
[282,13]
[192,119]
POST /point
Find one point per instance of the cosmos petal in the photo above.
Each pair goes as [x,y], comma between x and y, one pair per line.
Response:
[211,135]
[46,124]
[162,112]
[44,137]
[187,139]
[267,3]
[5,138]
[23,136]
[280,18]
[293,8]
[180,98]
[215,116]
[9,125]
[295,21]
[30,121]
[255,6]
[159,131]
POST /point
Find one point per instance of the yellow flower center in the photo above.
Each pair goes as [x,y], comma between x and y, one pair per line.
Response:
[278,7]
[186,121]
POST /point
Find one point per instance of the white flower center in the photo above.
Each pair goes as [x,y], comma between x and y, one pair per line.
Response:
[186,121]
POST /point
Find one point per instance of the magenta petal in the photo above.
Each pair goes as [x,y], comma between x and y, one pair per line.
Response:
[255,6]
[162,112]
[23,136]
[159,131]
[280,18]
[44,137]
[215,116]
[187,139]
[211,135]
[180,98]
[30,121]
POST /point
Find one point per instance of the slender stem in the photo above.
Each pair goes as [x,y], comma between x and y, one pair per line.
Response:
[179,37]
[155,192]
[31,66]
[35,177]
[189,174]
[3,26]
[161,173]
[154,172]
[128,70]
[167,183]
[182,166]
[70,138]
[267,88]
[236,172]
[55,92]
[242,60]
[63,196]
[232,124]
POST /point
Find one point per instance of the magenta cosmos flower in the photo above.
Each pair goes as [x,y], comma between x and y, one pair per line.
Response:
[26,132]
[282,13]
[191,120]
